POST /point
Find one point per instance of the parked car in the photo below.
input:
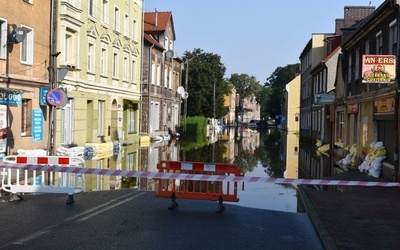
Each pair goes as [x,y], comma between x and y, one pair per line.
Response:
[262,124]
[253,124]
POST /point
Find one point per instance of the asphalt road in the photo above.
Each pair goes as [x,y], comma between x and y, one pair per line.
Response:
[132,219]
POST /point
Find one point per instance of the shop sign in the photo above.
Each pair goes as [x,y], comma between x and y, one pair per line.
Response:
[10,98]
[379,69]
[324,99]
[384,106]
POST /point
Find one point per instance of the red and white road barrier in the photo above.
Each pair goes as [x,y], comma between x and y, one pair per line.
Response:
[196,177]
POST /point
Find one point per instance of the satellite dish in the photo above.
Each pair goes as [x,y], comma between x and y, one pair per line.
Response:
[185,95]
[180,90]
[18,35]
[169,54]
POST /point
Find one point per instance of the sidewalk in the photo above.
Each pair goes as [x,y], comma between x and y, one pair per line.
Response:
[357,218]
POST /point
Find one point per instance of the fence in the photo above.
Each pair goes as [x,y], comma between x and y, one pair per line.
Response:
[18,181]
[198,189]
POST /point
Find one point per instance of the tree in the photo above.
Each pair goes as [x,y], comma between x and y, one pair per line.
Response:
[245,85]
[272,94]
[205,71]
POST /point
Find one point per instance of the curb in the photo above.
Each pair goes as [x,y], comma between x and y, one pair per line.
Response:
[323,233]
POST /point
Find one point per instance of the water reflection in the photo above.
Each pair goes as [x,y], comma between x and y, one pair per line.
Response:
[262,153]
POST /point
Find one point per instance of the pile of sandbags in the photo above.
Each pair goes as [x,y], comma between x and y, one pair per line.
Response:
[349,160]
[372,163]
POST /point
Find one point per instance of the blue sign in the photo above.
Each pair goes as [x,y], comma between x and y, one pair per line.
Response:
[37,125]
[43,93]
[10,98]
[54,97]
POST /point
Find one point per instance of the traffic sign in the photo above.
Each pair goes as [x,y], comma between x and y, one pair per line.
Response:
[54,97]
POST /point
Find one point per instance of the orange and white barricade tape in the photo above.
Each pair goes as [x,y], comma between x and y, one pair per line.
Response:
[17,182]
[198,189]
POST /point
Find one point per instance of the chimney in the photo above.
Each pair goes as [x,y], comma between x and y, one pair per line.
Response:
[156,21]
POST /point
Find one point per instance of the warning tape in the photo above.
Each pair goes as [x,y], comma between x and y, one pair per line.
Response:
[196,177]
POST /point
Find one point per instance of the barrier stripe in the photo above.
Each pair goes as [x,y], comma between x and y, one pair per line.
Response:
[195,177]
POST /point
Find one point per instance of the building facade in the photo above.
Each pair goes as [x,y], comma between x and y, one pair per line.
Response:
[162,69]
[24,75]
[370,103]
[99,43]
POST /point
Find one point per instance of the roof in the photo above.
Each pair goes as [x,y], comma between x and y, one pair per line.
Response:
[156,22]
[149,38]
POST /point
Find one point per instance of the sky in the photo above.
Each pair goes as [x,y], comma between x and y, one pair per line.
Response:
[252,37]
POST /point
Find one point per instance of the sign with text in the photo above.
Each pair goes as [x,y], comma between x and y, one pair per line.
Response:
[43,94]
[37,125]
[379,69]
[324,99]
[10,98]
[384,106]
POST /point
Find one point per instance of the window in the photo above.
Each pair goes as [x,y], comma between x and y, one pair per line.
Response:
[379,43]
[133,74]
[116,19]
[154,116]
[100,117]
[357,65]
[104,9]
[3,39]
[134,30]
[393,39]
[367,47]
[103,61]
[126,66]
[164,118]
[166,43]
[70,50]
[26,117]
[91,7]
[27,47]
[115,65]
[340,124]
[349,69]
[126,25]
[91,60]
[132,110]
[131,161]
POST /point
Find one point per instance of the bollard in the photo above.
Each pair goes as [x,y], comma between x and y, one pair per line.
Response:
[220,207]
[173,204]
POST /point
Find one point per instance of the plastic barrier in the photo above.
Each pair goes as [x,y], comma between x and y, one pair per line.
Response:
[18,181]
[198,189]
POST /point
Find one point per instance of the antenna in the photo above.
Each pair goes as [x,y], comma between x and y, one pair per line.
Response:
[18,35]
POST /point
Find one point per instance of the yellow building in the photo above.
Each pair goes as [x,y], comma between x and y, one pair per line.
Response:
[99,42]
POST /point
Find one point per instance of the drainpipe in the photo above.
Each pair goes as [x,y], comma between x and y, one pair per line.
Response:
[148,88]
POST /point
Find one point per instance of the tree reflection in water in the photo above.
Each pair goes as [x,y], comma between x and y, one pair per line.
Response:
[264,150]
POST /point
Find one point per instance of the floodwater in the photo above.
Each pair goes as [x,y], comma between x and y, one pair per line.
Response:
[257,153]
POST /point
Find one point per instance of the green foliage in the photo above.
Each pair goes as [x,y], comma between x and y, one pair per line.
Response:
[205,72]
[245,85]
[195,129]
[272,94]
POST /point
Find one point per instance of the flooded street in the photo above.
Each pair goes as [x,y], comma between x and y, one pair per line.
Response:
[257,153]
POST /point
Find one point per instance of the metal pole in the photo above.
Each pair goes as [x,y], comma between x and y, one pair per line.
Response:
[185,100]
[214,101]
[53,75]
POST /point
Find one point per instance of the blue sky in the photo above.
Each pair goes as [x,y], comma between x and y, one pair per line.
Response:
[252,37]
